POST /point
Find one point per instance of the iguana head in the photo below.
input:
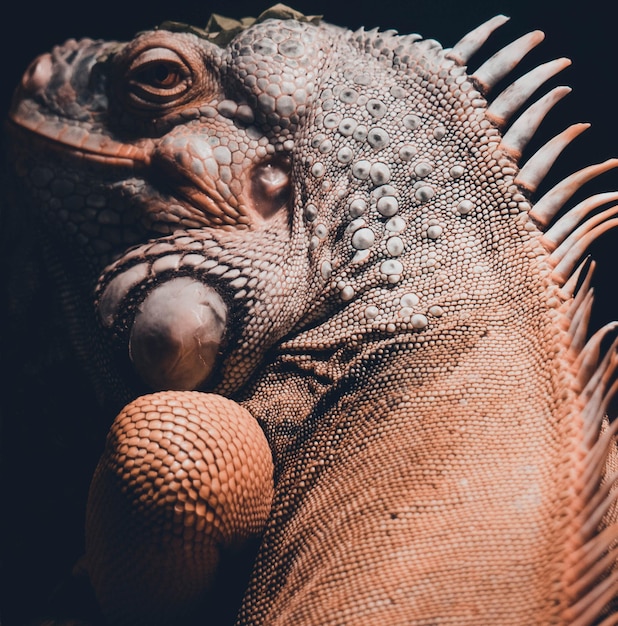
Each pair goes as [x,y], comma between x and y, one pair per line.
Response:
[171,143]
[246,192]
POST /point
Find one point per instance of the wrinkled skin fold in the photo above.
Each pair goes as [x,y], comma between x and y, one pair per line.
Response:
[308,272]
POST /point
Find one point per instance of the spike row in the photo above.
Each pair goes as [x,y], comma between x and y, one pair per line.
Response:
[513,97]
[570,236]
[517,137]
[593,575]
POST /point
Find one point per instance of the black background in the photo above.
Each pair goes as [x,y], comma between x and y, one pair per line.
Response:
[584,31]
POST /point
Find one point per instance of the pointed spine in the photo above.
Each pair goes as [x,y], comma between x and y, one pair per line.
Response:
[469,44]
[523,129]
[550,204]
[505,60]
[592,574]
[514,96]
[590,607]
[579,233]
[580,321]
[565,264]
[586,269]
[598,384]
[568,223]
[538,165]
[591,551]
[587,360]
[582,290]
[600,446]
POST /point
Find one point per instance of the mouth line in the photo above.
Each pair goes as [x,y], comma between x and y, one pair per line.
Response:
[204,202]
[108,152]
[185,190]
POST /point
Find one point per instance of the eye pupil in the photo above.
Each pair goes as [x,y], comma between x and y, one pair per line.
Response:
[162,73]
[160,76]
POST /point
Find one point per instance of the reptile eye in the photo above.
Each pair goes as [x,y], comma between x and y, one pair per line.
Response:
[158,78]
[162,75]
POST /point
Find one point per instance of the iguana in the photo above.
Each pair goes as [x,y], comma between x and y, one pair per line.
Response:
[308,262]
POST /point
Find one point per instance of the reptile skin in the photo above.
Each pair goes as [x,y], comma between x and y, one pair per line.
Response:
[310,266]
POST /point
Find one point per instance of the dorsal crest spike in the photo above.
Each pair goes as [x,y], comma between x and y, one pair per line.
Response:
[587,361]
[581,319]
[538,165]
[523,129]
[550,204]
[598,390]
[581,231]
[505,60]
[566,263]
[599,438]
[513,97]
[593,571]
[586,610]
[565,225]
[575,303]
[589,553]
[463,50]
[596,507]
[579,278]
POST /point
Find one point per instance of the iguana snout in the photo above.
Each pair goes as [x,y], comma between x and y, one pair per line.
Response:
[62,90]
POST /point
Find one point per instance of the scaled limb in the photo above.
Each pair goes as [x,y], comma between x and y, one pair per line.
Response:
[183,476]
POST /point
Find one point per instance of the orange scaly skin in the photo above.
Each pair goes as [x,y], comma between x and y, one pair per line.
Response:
[333,231]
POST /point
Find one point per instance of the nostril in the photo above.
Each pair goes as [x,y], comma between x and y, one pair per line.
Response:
[38,74]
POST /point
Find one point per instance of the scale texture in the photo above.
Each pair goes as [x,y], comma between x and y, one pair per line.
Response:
[311,267]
